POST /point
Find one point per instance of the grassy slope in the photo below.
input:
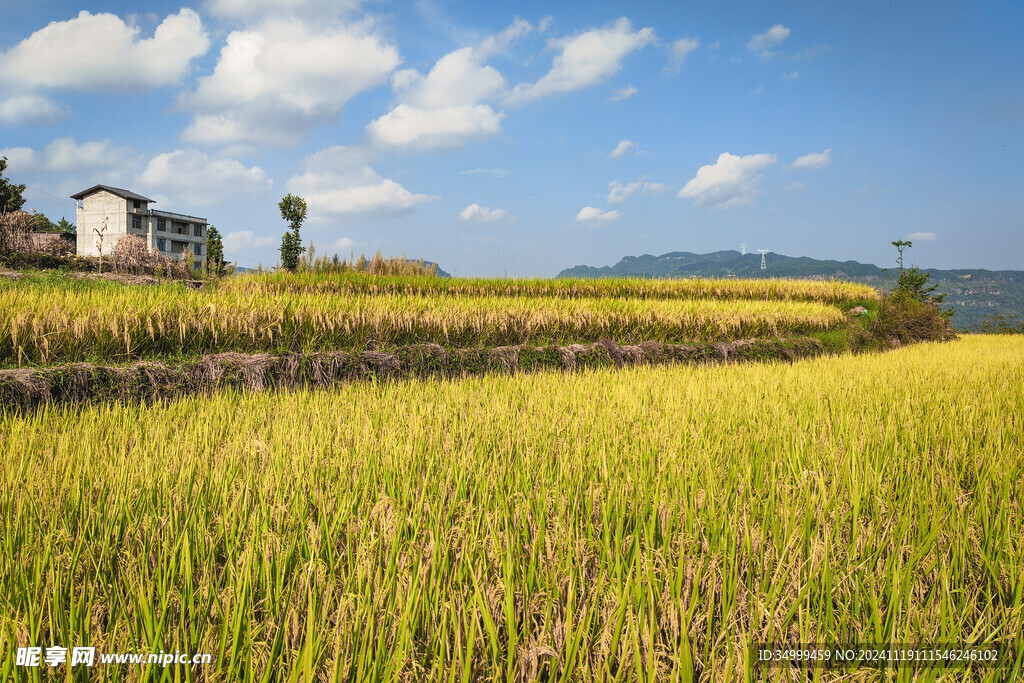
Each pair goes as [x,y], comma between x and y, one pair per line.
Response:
[646,523]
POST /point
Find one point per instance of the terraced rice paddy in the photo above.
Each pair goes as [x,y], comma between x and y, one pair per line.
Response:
[821,291]
[48,323]
[643,524]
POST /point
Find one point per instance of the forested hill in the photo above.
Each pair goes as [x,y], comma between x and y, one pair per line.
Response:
[973,293]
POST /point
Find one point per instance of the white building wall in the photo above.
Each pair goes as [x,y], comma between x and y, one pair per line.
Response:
[96,208]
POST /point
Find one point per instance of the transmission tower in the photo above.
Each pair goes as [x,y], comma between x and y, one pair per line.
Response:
[764,266]
[743,249]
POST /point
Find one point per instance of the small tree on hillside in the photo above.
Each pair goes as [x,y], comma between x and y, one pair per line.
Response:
[11,198]
[900,246]
[214,252]
[293,210]
[913,282]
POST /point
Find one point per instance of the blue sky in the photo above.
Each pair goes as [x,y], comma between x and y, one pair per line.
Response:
[523,138]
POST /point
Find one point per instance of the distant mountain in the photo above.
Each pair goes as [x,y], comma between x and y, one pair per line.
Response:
[973,293]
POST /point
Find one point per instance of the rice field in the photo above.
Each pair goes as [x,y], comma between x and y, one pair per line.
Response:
[834,292]
[647,524]
[48,323]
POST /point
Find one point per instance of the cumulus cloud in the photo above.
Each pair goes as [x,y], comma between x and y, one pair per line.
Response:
[922,237]
[814,161]
[585,60]
[590,214]
[338,183]
[730,181]
[344,243]
[31,110]
[623,93]
[795,185]
[101,51]
[450,127]
[678,52]
[447,107]
[474,213]
[273,84]
[193,177]
[765,44]
[65,155]
[619,192]
[621,149]
[245,239]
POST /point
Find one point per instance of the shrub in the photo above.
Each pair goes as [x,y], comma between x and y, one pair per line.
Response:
[1001,324]
[132,256]
[904,319]
[15,232]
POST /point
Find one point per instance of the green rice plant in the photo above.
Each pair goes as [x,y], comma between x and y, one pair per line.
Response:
[641,524]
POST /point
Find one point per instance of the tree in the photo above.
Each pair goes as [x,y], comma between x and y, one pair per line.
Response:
[913,283]
[66,226]
[900,246]
[293,210]
[214,252]
[10,194]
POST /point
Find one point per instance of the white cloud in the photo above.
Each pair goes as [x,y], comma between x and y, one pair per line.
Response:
[621,149]
[764,44]
[812,52]
[337,183]
[492,172]
[273,84]
[474,213]
[31,110]
[922,236]
[795,185]
[447,107]
[619,192]
[585,59]
[191,176]
[730,181]
[100,51]
[623,93]
[256,9]
[679,50]
[65,155]
[447,127]
[590,214]
[245,239]
[791,76]
[814,161]
[21,159]
[344,243]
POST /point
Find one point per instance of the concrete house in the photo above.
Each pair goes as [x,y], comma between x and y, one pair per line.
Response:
[127,213]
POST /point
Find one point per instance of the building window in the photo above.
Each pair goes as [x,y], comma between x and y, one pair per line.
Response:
[161,224]
[136,222]
[161,245]
[197,230]
[199,249]
[136,204]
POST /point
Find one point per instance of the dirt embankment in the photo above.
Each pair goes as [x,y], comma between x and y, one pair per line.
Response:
[29,388]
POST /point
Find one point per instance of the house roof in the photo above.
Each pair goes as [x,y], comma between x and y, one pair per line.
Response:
[126,194]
